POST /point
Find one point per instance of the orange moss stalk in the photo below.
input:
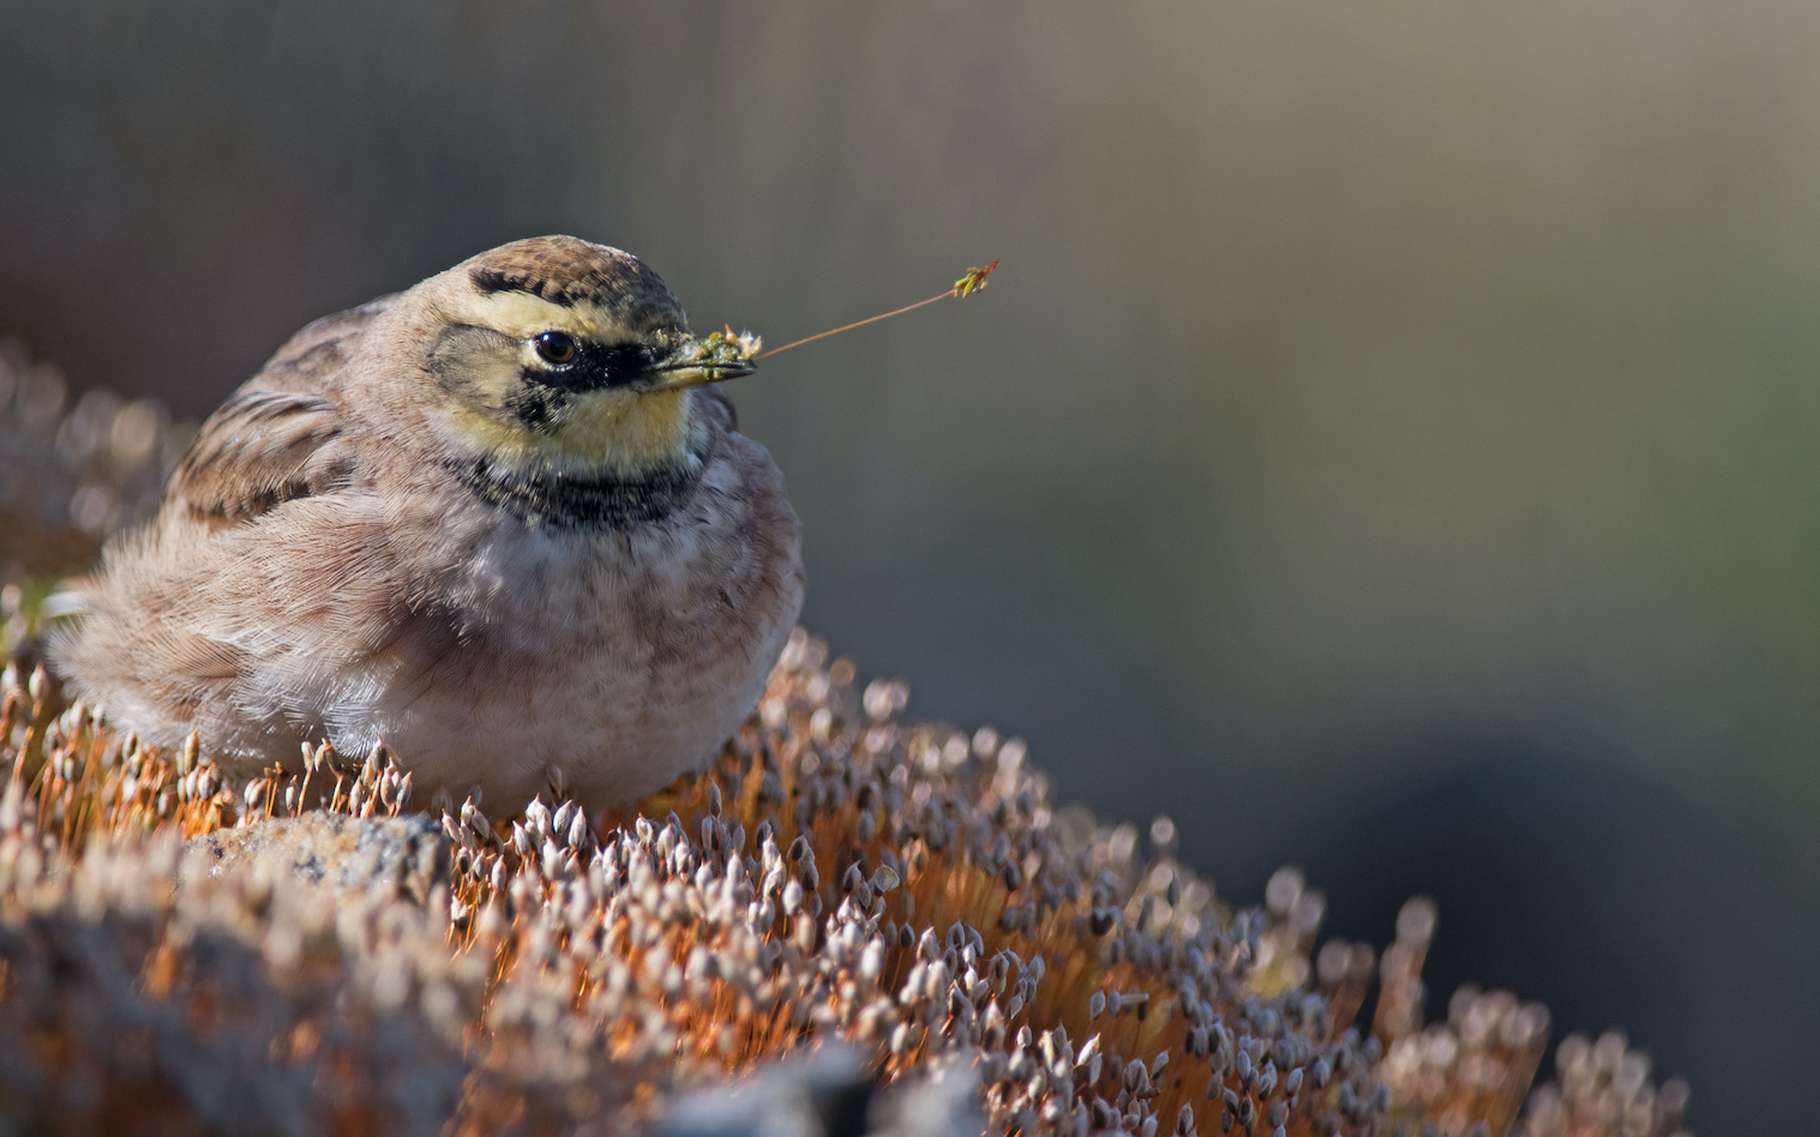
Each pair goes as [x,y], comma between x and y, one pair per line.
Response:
[839,873]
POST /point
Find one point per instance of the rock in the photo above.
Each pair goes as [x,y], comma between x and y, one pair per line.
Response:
[341,853]
[829,1093]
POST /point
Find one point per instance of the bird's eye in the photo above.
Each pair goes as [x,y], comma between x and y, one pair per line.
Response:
[558,348]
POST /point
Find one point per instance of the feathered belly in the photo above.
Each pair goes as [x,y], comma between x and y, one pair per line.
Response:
[623,678]
[615,731]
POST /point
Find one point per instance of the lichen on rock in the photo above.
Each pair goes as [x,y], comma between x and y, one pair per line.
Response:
[343,854]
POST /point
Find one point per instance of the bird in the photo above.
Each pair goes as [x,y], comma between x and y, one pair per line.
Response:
[502,523]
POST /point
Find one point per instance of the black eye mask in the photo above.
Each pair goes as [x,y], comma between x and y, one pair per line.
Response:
[597,367]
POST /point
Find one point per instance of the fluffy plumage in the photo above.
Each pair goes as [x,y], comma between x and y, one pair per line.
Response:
[411,526]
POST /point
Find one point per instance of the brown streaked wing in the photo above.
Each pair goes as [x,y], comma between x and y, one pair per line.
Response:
[260,450]
[280,437]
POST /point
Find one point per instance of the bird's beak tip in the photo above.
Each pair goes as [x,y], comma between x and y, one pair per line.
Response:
[671,376]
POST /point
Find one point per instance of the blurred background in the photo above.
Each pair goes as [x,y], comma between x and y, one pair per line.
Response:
[1387,448]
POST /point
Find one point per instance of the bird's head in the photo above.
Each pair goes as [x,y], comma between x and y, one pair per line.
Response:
[559,355]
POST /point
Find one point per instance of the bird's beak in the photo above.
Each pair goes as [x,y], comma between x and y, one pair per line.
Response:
[681,371]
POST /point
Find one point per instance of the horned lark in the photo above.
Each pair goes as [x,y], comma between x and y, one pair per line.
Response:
[498,520]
